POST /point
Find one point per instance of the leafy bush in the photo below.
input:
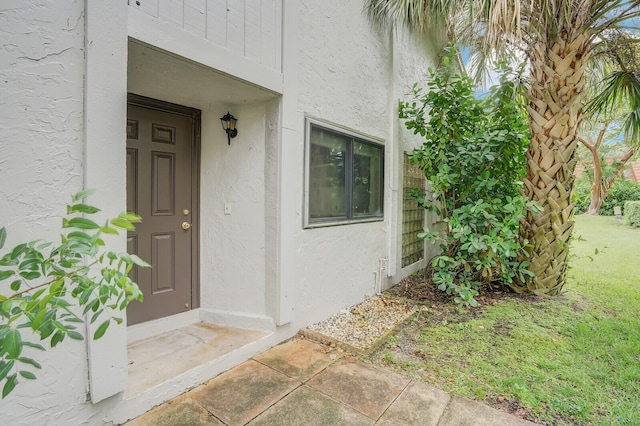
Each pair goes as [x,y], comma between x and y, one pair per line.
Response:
[620,192]
[581,195]
[474,156]
[632,213]
[46,280]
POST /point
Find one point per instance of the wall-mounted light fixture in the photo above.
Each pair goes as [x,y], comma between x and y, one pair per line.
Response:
[229,125]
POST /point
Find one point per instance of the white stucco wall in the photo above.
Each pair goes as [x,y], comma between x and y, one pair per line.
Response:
[234,277]
[347,74]
[41,165]
[259,261]
[344,78]
[62,131]
[258,265]
[41,120]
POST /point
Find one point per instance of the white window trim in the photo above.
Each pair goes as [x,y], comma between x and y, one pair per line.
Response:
[307,161]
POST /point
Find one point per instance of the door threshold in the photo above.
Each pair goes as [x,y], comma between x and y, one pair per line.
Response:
[166,357]
[148,329]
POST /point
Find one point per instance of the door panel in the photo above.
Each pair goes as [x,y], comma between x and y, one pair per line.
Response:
[163,183]
[159,189]
[163,256]
[132,180]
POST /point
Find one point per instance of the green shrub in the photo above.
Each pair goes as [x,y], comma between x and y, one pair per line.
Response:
[632,213]
[474,157]
[581,195]
[620,192]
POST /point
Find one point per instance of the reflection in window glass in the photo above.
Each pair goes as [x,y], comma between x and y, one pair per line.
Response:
[327,175]
[367,170]
[345,177]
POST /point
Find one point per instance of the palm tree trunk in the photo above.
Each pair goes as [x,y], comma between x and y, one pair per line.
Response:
[556,95]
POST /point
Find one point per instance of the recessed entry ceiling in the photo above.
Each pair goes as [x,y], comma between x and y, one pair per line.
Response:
[161,75]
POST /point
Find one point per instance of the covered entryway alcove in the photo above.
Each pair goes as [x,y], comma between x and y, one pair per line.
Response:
[209,291]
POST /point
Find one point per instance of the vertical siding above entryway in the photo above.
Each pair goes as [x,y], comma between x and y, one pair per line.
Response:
[248,28]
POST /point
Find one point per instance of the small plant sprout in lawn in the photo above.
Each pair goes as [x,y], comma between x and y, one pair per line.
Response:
[51,286]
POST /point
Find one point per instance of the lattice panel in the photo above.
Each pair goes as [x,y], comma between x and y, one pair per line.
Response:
[412,215]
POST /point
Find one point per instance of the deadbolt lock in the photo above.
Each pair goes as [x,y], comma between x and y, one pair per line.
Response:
[185,212]
[186,225]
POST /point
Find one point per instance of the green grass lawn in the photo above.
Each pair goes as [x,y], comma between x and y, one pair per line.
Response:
[573,359]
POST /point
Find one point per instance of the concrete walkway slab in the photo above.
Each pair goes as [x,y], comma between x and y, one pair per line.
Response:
[418,405]
[180,411]
[239,395]
[305,406]
[299,358]
[364,387]
[300,383]
[465,412]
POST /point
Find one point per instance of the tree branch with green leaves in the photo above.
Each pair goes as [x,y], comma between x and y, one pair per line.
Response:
[53,287]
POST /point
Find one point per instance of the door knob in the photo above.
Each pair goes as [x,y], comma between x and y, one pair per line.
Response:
[186,225]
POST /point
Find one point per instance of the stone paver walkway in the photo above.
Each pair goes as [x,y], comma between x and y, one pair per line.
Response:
[301,383]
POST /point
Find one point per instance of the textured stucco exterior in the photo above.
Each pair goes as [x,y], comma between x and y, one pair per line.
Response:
[41,164]
[41,155]
[66,68]
[363,74]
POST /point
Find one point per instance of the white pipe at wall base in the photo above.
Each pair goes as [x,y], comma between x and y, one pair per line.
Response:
[382,267]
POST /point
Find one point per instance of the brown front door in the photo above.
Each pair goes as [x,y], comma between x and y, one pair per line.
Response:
[160,188]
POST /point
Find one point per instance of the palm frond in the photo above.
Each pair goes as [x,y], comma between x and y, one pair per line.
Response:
[619,87]
[607,14]
[632,128]
[410,13]
[419,16]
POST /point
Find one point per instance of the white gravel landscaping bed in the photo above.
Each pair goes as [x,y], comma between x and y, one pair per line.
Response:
[362,328]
